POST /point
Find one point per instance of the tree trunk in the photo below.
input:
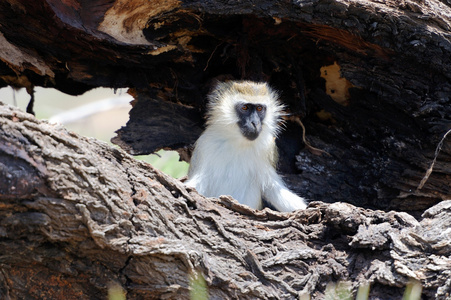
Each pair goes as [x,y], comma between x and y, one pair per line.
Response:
[370,81]
[78,216]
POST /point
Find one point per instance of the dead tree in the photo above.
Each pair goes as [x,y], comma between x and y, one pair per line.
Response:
[370,82]
[78,215]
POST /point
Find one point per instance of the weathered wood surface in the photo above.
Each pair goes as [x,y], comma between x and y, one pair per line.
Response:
[391,111]
[77,215]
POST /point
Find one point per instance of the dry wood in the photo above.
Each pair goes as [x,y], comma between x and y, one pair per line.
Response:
[78,215]
[391,64]
[429,170]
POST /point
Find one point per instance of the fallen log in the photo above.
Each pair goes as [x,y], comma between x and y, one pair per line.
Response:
[370,82]
[78,216]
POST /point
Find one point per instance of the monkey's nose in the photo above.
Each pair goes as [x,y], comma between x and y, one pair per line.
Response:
[257,126]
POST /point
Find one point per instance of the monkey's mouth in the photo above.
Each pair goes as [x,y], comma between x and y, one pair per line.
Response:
[251,131]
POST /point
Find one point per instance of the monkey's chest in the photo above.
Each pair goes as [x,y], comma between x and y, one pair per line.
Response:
[240,178]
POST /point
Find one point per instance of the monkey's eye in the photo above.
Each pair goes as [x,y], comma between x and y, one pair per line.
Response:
[259,108]
[245,107]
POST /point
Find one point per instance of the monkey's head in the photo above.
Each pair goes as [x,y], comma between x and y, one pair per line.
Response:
[248,107]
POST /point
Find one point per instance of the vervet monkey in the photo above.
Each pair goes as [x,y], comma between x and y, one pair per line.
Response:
[236,154]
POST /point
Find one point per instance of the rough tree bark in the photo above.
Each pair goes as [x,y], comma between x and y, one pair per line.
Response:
[391,103]
[370,80]
[78,215]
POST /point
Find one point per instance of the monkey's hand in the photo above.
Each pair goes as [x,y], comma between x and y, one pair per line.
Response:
[291,201]
[282,199]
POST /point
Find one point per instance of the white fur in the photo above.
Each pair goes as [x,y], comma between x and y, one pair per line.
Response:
[224,162]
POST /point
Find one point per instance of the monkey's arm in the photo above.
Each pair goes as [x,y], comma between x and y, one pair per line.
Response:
[281,198]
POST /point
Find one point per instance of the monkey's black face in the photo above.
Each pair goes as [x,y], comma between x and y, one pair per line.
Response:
[250,117]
